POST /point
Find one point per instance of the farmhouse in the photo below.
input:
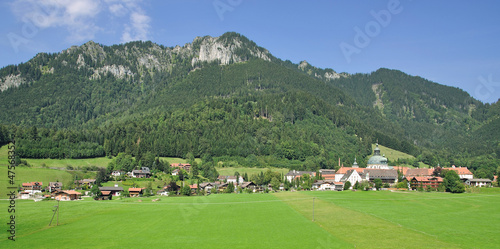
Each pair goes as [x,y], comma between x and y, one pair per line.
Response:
[54,186]
[478,182]
[421,181]
[290,176]
[67,195]
[175,172]
[111,191]
[184,166]
[24,195]
[117,173]
[232,179]
[85,183]
[135,192]
[32,187]
[194,188]
[141,173]
[207,186]
[324,185]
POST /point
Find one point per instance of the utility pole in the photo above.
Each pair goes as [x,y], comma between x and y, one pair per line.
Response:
[55,210]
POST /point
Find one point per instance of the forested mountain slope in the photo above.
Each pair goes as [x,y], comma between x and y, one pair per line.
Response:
[226,96]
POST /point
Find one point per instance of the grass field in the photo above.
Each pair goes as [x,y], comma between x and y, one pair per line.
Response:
[283,220]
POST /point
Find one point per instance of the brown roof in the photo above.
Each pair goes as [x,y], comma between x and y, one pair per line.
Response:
[419,172]
[71,192]
[135,189]
[106,192]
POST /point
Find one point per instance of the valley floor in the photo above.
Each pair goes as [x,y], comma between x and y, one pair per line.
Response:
[283,220]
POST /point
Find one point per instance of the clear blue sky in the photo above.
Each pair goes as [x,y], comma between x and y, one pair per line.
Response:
[450,42]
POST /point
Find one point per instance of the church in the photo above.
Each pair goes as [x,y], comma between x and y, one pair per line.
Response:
[377,161]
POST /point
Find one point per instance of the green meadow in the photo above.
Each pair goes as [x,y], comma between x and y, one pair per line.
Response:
[282,220]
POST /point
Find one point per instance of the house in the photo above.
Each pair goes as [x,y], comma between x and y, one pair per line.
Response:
[184,166]
[141,173]
[324,185]
[352,176]
[290,176]
[221,186]
[54,186]
[249,185]
[386,175]
[162,192]
[478,182]
[85,183]
[24,195]
[194,188]
[67,195]
[462,172]
[232,179]
[207,186]
[327,174]
[112,191]
[32,187]
[422,181]
[175,172]
[117,173]
[339,186]
[135,192]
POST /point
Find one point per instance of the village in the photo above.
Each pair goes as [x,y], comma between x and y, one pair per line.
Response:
[378,175]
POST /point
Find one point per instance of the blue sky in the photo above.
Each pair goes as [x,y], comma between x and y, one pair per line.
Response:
[449,42]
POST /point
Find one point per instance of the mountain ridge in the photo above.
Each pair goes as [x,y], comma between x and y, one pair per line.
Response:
[93,86]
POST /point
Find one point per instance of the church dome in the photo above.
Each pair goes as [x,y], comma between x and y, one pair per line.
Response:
[377,159]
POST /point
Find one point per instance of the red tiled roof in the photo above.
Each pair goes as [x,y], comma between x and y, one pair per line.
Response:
[193,186]
[460,170]
[424,179]
[71,192]
[135,189]
[106,192]
[29,184]
[344,170]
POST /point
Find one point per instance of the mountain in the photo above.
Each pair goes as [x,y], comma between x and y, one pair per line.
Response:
[226,96]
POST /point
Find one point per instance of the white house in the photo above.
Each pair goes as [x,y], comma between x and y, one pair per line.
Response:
[478,182]
[290,176]
[233,179]
[324,185]
[352,176]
